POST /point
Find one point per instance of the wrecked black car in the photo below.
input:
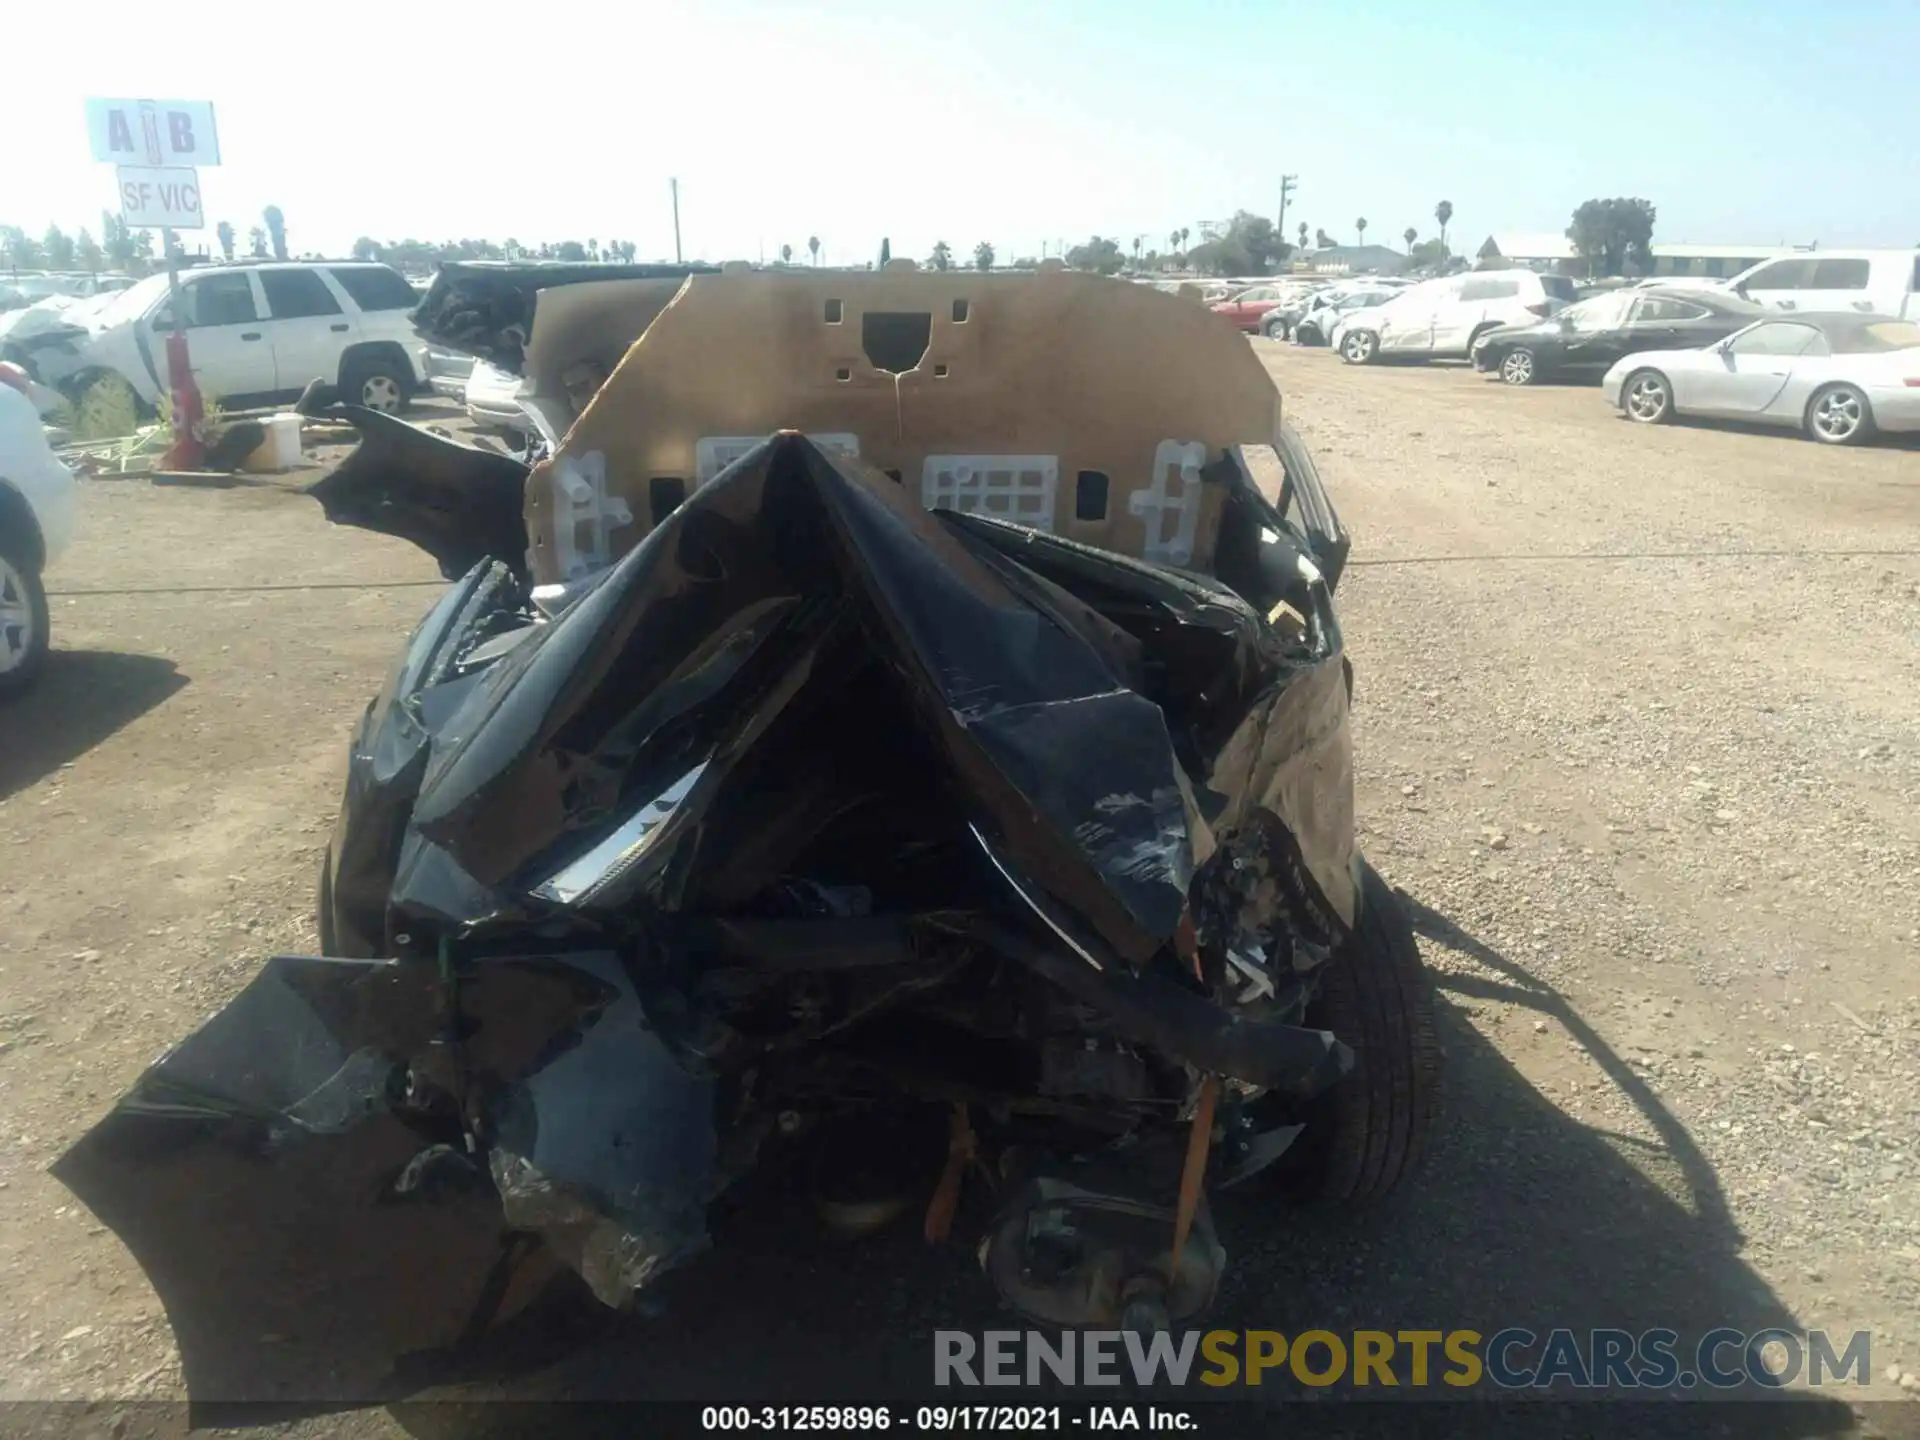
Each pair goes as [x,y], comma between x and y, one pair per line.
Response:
[902,720]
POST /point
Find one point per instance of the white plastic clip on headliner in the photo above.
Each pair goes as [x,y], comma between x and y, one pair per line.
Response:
[580,498]
[1171,544]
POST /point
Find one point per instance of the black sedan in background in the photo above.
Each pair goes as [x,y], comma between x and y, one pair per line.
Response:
[1584,340]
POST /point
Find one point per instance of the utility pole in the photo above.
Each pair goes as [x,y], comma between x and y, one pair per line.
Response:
[675,186]
[1287,185]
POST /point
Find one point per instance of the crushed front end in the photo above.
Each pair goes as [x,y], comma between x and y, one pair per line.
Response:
[1001,868]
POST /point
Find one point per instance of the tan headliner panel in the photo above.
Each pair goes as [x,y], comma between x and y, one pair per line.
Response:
[1096,372]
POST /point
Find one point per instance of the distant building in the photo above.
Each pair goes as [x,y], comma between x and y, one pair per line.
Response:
[1556,253]
[1517,250]
[1351,260]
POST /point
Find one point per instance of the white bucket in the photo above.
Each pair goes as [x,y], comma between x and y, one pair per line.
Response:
[281,449]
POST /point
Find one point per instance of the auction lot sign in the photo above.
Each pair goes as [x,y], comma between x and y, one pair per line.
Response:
[156,148]
[154,134]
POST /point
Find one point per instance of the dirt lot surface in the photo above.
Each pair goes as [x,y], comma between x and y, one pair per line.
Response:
[1638,730]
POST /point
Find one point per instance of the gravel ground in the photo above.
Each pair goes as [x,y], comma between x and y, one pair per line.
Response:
[1637,736]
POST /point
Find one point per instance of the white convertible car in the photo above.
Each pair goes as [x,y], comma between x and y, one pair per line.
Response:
[1839,377]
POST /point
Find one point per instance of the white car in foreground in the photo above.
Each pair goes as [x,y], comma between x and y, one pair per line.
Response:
[1839,377]
[36,521]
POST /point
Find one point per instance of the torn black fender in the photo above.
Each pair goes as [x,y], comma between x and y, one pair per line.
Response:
[460,504]
[344,1181]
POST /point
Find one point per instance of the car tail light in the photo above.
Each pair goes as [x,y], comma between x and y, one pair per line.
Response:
[1912,382]
[1540,308]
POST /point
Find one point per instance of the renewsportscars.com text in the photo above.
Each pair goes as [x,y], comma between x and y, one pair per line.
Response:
[1514,1358]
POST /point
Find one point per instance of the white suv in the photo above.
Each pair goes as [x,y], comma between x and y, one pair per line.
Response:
[258,333]
[1448,317]
[1883,282]
[36,522]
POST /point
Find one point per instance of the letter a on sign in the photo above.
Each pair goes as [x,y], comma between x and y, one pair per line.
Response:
[154,133]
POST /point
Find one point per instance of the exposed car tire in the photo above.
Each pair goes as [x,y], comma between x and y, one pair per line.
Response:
[1647,398]
[1273,329]
[1359,347]
[1839,415]
[1308,335]
[1370,1131]
[23,621]
[377,383]
[1519,366]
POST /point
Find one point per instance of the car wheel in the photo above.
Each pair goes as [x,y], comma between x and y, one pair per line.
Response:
[1839,415]
[1647,398]
[1308,335]
[1272,329]
[23,622]
[1359,347]
[1370,1131]
[1517,366]
[376,383]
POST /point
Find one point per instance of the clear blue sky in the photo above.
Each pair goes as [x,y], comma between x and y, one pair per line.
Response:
[1017,123]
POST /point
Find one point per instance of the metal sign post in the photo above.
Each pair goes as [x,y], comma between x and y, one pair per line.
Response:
[158,146]
[185,407]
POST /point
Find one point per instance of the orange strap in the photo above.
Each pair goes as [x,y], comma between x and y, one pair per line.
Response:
[1199,1143]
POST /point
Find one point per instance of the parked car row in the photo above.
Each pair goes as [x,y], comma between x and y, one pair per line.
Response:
[1745,350]
[1311,321]
[1586,338]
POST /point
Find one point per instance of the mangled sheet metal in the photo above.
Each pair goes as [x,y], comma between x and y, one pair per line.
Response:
[816,802]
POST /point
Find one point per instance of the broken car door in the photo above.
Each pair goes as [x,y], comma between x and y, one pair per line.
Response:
[1743,376]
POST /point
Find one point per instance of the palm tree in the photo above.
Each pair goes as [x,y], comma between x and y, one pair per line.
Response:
[1303,234]
[1361,226]
[257,241]
[983,256]
[1443,212]
[225,232]
[1184,232]
[276,230]
[1409,235]
[813,247]
[1173,240]
[942,255]
[786,254]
